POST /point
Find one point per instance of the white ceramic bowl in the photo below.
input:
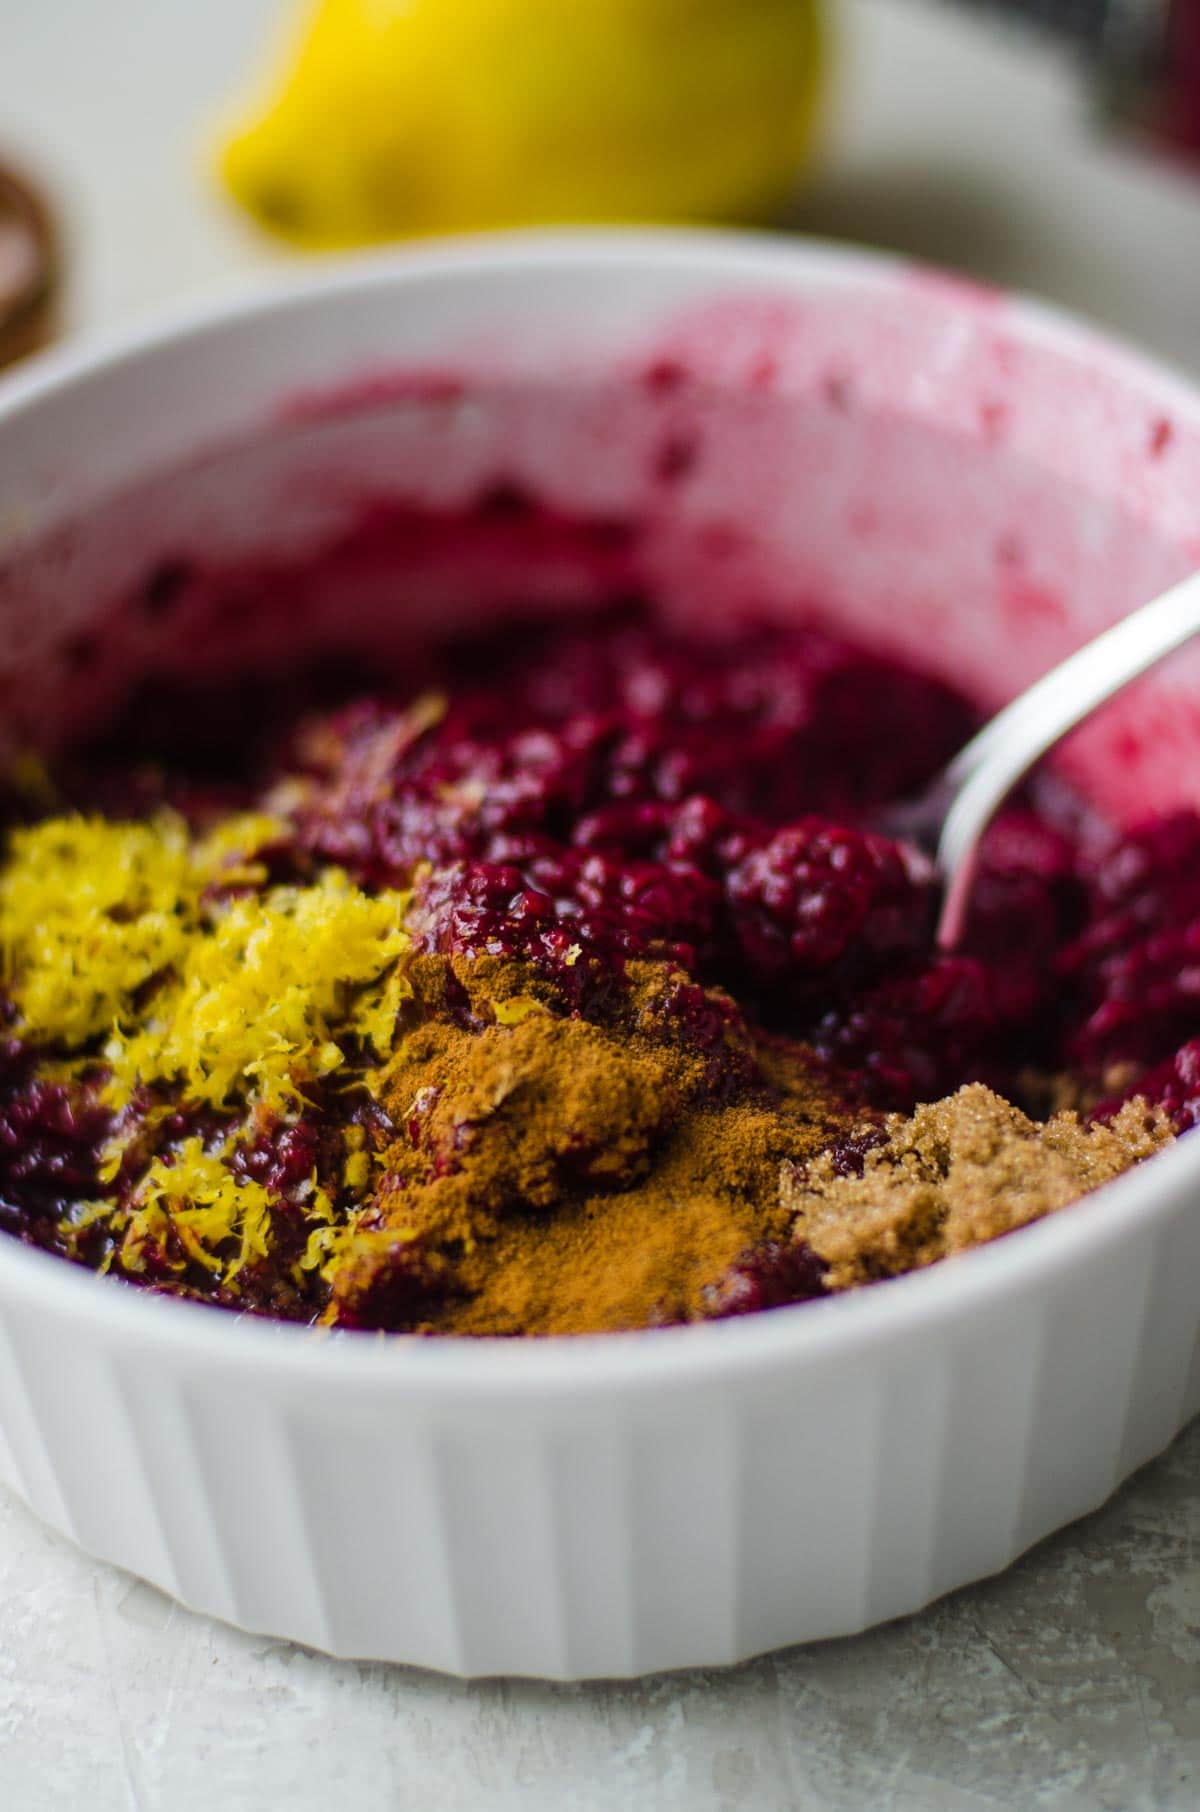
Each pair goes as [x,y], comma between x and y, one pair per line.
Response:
[949,473]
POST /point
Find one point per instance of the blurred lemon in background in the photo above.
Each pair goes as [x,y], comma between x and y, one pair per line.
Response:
[397,117]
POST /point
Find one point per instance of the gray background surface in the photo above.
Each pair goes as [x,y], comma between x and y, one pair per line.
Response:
[1071,1682]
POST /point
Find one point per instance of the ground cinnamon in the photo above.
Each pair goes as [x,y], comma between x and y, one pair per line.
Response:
[555,1174]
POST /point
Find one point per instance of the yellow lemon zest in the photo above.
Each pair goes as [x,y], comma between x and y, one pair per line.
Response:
[90,913]
[519,1007]
[113,932]
[196,1193]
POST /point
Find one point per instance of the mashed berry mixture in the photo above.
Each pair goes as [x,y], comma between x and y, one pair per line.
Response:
[571,987]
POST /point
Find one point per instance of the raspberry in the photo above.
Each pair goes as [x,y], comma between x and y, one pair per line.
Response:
[818,895]
[394,1289]
[1026,895]
[1134,972]
[769,1276]
[50,1139]
[1174,1086]
[919,1036]
[567,913]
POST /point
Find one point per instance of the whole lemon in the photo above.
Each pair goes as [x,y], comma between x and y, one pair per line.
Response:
[398,117]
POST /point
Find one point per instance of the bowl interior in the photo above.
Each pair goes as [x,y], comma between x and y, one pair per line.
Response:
[732,430]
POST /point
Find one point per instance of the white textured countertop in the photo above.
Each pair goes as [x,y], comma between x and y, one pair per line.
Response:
[1071,1682]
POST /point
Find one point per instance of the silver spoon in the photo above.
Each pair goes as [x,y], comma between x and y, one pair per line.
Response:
[957,808]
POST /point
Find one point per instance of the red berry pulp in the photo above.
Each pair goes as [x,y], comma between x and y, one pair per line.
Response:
[581,794]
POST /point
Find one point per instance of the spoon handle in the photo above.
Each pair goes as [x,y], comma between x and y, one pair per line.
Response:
[986,770]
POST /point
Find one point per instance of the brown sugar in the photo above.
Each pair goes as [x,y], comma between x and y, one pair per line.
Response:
[953,1175]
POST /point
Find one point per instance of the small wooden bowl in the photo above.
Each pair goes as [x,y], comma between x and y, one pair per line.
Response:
[29,267]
